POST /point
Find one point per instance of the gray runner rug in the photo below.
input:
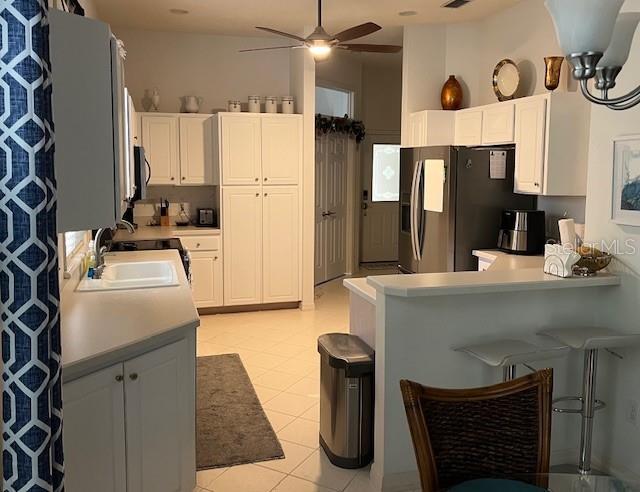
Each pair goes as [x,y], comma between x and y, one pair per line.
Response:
[231,427]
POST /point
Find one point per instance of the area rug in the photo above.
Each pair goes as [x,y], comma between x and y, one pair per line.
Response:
[231,426]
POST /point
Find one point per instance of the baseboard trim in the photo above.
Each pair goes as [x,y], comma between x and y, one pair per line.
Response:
[249,309]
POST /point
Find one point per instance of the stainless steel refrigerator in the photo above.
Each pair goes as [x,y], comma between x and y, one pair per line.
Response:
[478,186]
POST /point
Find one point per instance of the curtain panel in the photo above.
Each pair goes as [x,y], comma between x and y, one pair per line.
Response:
[32,454]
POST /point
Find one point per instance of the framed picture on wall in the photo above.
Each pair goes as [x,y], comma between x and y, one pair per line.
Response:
[626,180]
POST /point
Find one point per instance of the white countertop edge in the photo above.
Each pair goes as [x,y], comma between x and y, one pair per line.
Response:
[361,287]
[485,254]
[459,283]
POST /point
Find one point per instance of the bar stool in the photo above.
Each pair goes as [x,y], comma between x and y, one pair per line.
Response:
[590,340]
[509,353]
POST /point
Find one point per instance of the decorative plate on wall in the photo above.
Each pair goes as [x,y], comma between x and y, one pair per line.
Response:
[506,79]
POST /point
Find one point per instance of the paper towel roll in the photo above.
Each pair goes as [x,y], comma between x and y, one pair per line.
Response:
[579,234]
[567,233]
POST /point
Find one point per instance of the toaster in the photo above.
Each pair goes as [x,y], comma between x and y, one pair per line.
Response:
[207,217]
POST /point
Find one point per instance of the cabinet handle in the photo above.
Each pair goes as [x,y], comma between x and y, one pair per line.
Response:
[197,245]
[119,378]
[537,185]
[215,258]
[133,376]
[257,180]
[183,178]
[257,194]
[172,178]
[266,194]
[265,179]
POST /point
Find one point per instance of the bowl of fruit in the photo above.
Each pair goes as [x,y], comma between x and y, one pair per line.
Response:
[591,261]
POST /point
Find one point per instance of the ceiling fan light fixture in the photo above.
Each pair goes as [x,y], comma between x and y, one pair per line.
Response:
[320,52]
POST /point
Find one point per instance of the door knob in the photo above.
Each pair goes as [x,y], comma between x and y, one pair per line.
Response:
[133,376]
[119,378]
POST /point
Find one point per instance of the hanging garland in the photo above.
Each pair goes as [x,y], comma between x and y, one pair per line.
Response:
[347,126]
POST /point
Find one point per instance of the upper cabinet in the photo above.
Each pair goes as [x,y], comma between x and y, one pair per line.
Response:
[260,148]
[180,148]
[550,133]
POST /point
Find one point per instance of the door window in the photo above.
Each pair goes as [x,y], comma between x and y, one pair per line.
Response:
[385,173]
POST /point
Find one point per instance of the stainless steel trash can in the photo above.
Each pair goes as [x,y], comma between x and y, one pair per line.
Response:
[346,399]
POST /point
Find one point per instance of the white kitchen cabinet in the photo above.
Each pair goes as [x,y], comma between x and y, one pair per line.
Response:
[132,426]
[281,244]
[242,240]
[196,150]
[468,127]
[431,128]
[530,134]
[498,124]
[241,149]
[94,432]
[207,278]
[161,144]
[160,419]
[281,149]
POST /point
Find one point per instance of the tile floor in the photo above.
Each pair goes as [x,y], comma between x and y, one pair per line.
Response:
[278,349]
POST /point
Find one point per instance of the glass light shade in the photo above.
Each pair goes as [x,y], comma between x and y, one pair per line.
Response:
[320,53]
[618,52]
[584,25]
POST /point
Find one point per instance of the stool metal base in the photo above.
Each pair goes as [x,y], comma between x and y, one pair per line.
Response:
[573,469]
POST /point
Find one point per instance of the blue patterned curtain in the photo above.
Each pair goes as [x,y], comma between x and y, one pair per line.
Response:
[31,398]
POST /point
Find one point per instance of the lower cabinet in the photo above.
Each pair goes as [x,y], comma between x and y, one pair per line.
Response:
[131,426]
[206,278]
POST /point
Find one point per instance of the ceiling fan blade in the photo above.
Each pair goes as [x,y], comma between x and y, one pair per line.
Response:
[357,32]
[280,33]
[371,48]
[272,48]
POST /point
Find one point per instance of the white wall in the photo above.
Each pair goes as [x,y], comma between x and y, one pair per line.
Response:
[180,64]
[617,441]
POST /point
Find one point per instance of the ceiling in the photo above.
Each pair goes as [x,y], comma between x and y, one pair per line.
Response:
[238,17]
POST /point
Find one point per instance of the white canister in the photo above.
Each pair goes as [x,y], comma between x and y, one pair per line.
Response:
[288,105]
[271,104]
[234,107]
[254,104]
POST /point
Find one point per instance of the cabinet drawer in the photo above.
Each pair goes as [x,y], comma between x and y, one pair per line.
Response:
[201,243]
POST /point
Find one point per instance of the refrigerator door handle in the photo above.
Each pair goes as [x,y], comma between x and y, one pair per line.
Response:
[413,220]
[419,213]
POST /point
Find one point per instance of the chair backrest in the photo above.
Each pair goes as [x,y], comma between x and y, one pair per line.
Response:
[500,431]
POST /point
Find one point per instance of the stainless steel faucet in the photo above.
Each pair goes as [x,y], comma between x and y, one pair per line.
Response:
[100,251]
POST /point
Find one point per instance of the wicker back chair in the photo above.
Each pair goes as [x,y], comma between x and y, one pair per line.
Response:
[501,431]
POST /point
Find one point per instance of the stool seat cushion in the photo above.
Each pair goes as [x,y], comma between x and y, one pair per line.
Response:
[591,338]
[495,485]
[501,353]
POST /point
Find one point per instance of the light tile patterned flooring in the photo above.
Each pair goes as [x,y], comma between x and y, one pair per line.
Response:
[278,349]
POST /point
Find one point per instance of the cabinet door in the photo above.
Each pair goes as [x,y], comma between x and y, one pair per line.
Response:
[497,124]
[160,410]
[281,149]
[94,432]
[241,149]
[206,278]
[281,243]
[196,151]
[242,226]
[160,142]
[418,129]
[530,133]
[468,127]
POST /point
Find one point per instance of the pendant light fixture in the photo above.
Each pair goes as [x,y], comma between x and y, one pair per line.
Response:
[596,39]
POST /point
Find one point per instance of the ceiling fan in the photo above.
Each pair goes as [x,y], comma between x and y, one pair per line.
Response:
[320,43]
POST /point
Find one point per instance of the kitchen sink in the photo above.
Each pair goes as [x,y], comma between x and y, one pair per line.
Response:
[133,275]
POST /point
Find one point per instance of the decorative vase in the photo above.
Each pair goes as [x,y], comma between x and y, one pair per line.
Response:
[191,104]
[155,100]
[451,96]
[553,67]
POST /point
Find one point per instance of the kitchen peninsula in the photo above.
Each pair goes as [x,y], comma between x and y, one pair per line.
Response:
[420,319]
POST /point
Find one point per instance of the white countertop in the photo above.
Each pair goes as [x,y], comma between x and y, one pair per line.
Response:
[100,329]
[501,260]
[456,283]
[360,287]
[144,232]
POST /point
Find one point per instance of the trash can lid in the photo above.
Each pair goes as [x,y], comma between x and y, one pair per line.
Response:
[348,352]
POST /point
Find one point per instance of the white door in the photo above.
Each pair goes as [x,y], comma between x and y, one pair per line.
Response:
[206,278]
[242,226]
[530,130]
[281,243]
[196,151]
[331,207]
[380,199]
[160,141]
[160,409]
[281,149]
[94,432]
[498,124]
[241,149]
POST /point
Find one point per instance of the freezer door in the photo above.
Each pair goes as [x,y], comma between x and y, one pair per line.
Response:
[480,202]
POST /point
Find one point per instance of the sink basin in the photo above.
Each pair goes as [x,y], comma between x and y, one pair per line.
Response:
[138,275]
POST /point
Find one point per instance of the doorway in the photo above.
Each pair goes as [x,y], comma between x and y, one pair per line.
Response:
[380,188]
